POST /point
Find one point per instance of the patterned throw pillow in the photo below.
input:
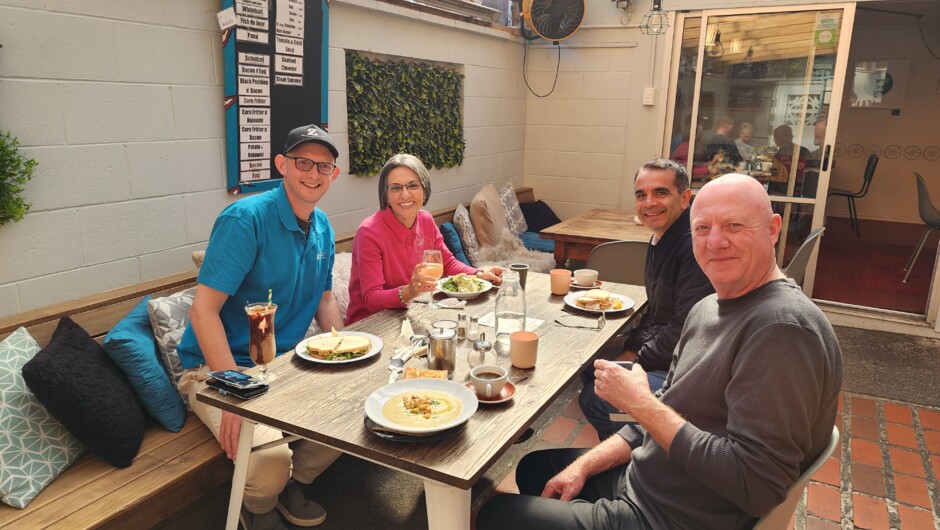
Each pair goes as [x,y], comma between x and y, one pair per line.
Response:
[34,447]
[514,218]
[465,229]
[169,316]
[486,213]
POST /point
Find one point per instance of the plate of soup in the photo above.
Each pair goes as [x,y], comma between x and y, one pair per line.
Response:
[421,406]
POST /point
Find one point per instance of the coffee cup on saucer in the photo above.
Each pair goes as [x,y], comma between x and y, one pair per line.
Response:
[585,277]
[488,380]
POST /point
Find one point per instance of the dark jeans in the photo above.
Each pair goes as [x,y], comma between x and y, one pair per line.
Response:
[598,411]
[600,505]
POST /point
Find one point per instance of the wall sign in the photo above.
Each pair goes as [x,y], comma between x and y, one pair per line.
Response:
[275,59]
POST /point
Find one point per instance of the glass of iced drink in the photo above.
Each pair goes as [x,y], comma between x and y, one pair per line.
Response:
[261,345]
[433,265]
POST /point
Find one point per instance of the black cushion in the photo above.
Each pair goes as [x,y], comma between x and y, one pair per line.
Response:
[538,215]
[82,387]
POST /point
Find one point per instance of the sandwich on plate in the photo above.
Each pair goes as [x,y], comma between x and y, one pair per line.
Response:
[598,300]
[339,348]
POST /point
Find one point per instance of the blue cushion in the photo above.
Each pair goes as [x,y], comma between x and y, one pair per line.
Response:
[532,241]
[132,347]
[452,240]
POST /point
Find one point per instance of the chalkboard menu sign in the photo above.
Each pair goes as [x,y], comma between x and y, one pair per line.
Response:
[275,61]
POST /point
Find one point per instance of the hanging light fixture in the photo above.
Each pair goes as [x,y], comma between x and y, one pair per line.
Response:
[655,22]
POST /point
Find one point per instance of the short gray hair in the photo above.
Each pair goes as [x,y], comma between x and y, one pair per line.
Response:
[408,161]
[682,176]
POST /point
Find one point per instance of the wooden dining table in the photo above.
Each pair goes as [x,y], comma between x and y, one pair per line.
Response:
[576,237]
[325,403]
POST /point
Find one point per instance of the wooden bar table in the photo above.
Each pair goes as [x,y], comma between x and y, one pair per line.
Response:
[575,238]
[326,403]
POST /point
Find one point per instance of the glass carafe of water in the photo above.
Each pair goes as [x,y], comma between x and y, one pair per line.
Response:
[510,310]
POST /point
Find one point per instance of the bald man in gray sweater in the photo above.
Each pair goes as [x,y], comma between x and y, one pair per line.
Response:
[749,402]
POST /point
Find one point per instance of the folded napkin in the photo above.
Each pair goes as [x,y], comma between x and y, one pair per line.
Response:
[451,303]
[489,320]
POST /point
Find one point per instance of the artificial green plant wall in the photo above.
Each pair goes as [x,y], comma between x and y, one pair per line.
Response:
[400,107]
[15,172]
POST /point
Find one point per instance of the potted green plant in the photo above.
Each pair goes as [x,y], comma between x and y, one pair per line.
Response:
[15,172]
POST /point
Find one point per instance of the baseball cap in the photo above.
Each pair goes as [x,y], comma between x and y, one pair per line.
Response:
[310,133]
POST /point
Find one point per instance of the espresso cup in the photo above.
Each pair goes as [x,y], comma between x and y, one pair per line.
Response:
[523,349]
[488,380]
[585,277]
[561,281]
[523,271]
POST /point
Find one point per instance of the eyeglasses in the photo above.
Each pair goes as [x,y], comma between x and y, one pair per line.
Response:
[411,186]
[305,164]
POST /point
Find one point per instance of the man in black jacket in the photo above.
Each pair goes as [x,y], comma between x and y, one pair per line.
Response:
[674,283]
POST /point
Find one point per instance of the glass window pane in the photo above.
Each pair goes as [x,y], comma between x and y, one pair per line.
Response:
[766,84]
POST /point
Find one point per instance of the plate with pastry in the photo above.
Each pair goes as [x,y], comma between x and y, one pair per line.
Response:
[339,347]
[599,301]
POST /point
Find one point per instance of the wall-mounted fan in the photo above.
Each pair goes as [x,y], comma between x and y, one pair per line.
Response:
[553,20]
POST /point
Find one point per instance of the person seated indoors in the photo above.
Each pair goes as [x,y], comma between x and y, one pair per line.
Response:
[387,268]
[721,148]
[744,141]
[783,138]
[753,395]
[673,280]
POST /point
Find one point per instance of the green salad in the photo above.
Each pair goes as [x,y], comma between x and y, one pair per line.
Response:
[462,283]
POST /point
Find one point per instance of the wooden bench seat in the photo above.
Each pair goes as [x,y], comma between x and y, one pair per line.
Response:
[171,471]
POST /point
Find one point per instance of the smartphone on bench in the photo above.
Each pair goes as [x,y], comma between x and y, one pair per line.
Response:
[237,384]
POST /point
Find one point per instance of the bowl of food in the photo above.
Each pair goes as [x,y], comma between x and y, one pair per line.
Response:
[464,286]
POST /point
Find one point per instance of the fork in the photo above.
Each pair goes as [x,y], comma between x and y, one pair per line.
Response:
[599,324]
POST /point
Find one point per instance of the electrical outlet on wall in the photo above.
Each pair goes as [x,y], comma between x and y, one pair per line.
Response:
[649,96]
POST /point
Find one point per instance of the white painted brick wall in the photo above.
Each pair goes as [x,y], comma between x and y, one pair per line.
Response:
[127,229]
[121,105]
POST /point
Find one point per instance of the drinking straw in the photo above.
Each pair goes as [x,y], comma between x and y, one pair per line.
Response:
[270,294]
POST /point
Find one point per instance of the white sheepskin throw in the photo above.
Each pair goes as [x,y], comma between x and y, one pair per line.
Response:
[342,265]
[509,249]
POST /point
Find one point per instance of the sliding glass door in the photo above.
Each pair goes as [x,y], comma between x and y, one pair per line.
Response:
[758,92]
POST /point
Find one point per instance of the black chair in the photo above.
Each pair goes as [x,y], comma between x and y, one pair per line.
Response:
[929,215]
[852,195]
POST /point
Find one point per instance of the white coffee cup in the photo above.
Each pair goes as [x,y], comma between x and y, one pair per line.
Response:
[488,380]
[585,277]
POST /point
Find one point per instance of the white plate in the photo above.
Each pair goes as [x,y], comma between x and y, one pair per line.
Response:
[464,296]
[627,302]
[597,283]
[377,400]
[377,345]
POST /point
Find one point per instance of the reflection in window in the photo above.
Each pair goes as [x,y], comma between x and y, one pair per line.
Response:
[766,81]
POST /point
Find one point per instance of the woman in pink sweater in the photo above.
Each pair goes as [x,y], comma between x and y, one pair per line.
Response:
[388,249]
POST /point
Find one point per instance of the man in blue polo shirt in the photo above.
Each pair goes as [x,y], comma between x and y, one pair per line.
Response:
[276,240]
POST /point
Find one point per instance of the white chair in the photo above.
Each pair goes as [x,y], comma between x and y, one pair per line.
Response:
[620,261]
[779,517]
[796,269]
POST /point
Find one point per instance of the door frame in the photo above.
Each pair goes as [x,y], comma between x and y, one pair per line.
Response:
[670,64]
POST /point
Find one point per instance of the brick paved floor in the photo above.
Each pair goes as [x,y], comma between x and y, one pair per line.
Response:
[885,475]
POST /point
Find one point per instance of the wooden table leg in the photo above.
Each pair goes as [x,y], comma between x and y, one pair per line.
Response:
[448,507]
[241,474]
[561,249]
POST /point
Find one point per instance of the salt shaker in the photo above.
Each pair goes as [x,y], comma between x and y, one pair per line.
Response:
[481,353]
[473,331]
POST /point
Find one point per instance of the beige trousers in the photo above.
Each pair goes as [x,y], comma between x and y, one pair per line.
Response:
[268,470]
